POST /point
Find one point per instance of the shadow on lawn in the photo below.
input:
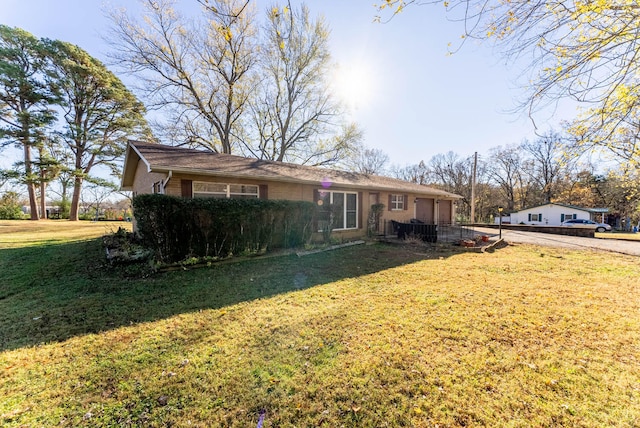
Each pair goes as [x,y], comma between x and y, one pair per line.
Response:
[55,292]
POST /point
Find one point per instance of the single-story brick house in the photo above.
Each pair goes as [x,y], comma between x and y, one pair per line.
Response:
[553,214]
[156,168]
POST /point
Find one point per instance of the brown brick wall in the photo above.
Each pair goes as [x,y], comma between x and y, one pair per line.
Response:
[284,191]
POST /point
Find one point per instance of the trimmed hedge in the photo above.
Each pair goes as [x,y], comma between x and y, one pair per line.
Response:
[177,228]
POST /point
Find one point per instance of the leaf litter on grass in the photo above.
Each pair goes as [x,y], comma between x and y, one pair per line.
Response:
[507,339]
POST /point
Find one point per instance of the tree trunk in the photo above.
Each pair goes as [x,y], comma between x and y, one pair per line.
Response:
[31,190]
[65,199]
[75,199]
[43,199]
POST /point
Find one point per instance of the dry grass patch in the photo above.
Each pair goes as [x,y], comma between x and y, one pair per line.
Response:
[20,233]
[368,336]
[619,235]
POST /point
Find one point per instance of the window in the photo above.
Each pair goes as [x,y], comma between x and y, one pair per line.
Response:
[535,217]
[340,207]
[565,217]
[243,191]
[397,202]
[224,190]
[157,188]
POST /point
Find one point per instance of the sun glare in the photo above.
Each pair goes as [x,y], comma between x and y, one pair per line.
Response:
[353,84]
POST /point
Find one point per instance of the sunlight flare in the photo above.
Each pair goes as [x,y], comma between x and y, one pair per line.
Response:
[354,84]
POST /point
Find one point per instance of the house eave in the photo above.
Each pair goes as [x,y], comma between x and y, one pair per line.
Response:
[130,166]
[190,171]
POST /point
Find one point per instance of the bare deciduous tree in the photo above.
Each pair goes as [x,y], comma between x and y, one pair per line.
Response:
[418,173]
[198,73]
[507,167]
[548,155]
[294,116]
[368,161]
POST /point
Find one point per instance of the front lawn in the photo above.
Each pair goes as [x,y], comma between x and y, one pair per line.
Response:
[370,335]
[625,236]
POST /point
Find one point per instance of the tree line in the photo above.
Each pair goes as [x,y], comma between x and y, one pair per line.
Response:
[225,82]
[520,176]
[583,51]
[228,81]
[65,111]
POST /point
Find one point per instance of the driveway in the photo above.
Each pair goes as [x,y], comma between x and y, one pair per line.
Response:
[631,248]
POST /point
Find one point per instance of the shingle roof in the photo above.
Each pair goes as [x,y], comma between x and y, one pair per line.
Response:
[162,158]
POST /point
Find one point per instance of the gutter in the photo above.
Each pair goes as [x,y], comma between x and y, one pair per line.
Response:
[431,191]
[164,183]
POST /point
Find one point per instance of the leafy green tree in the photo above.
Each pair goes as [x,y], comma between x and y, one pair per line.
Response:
[621,190]
[99,112]
[64,173]
[48,168]
[10,207]
[25,100]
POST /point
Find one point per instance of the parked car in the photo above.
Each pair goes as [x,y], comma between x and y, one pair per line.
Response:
[578,222]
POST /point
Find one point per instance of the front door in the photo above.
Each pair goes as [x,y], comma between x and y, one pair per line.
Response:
[424,210]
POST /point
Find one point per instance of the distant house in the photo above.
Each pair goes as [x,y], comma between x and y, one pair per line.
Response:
[554,214]
[155,168]
[51,211]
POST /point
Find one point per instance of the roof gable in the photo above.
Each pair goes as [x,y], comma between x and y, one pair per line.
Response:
[162,158]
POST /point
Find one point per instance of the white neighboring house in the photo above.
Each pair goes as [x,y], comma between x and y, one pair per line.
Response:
[554,214]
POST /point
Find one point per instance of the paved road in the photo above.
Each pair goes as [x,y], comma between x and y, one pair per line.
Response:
[631,248]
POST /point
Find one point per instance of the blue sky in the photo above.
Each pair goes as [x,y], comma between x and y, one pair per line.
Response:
[412,100]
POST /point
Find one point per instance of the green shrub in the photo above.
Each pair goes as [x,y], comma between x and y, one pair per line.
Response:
[177,228]
[10,208]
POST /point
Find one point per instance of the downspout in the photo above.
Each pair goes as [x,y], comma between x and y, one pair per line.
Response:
[165,182]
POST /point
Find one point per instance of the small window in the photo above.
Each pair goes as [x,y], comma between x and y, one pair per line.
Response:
[243,191]
[223,190]
[535,217]
[397,202]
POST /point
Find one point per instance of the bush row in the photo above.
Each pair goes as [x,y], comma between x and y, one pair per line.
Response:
[177,228]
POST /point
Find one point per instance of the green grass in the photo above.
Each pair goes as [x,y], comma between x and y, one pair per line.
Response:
[368,336]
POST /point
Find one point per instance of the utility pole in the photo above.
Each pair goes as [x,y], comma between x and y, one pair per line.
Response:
[473,188]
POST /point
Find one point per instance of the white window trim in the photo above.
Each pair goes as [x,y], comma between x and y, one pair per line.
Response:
[344,213]
[158,188]
[397,202]
[227,193]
